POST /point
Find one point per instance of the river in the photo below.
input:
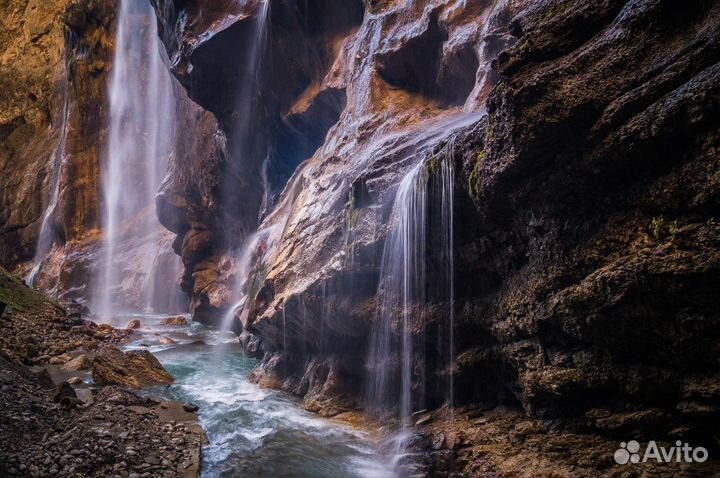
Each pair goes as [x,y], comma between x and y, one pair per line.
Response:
[253,432]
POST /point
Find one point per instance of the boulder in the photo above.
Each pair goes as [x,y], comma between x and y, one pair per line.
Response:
[134,324]
[85,395]
[81,362]
[177,320]
[74,310]
[64,391]
[133,369]
[60,359]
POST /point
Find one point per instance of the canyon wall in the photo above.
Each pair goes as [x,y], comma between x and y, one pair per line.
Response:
[51,51]
[586,200]
[57,62]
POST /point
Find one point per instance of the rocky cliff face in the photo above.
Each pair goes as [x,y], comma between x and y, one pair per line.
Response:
[55,70]
[51,51]
[328,74]
[594,181]
[585,234]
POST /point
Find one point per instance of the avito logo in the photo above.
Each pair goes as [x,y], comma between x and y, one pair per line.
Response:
[629,452]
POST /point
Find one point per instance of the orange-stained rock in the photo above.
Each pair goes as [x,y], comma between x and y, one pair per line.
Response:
[134,369]
[178,321]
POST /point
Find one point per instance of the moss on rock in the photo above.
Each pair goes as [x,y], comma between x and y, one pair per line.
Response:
[15,294]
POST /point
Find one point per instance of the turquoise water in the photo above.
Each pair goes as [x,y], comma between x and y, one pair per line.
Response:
[253,432]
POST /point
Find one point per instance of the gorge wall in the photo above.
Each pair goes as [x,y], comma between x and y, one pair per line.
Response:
[57,64]
[51,51]
[586,200]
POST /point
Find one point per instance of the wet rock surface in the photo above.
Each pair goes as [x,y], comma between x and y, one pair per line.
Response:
[51,51]
[586,249]
[324,77]
[179,321]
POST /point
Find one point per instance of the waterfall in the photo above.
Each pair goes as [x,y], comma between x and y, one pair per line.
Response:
[48,234]
[241,287]
[47,237]
[417,268]
[401,270]
[244,127]
[166,269]
[445,190]
[141,138]
[244,133]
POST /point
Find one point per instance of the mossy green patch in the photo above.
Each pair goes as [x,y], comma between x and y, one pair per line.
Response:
[474,179]
[661,229]
[16,295]
[353,214]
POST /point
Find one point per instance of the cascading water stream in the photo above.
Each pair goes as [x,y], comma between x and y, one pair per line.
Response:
[402,265]
[48,237]
[166,268]
[141,138]
[247,87]
[396,362]
[446,186]
[243,133]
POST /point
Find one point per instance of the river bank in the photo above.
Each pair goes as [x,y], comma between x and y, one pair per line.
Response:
[49,427]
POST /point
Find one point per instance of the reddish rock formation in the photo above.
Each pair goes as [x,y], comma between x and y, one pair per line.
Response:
[57,136]
[64,50]
[177,321]
[50,50]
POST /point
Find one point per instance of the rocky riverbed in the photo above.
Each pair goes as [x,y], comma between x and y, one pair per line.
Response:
[49,427]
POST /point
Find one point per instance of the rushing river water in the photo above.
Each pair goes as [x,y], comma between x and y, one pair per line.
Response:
[253,432]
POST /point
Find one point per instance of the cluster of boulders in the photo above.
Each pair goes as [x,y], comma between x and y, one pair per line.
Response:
[46,333]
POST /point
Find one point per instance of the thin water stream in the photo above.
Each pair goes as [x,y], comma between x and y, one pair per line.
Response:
[253,432]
